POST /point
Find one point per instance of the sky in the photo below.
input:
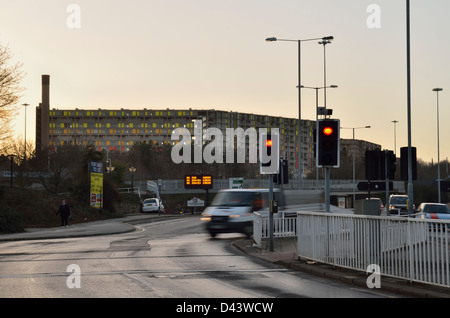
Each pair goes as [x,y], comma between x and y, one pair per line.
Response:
[212,54]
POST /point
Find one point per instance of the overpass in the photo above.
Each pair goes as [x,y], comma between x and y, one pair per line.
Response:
[336,186]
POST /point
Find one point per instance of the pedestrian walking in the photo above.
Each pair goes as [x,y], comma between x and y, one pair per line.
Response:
[64,213]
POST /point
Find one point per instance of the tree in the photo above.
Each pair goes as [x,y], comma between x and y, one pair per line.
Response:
[10,89]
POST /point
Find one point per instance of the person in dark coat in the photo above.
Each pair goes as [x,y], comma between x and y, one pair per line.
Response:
[64,212]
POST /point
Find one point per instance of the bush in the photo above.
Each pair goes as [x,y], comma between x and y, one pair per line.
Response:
[10,220]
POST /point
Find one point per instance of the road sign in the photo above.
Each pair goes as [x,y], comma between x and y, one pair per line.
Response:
[195,202]
[198,182]
[374,186]
[236,183]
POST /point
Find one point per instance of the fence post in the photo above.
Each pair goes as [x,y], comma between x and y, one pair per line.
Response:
[410,256]
[257,228]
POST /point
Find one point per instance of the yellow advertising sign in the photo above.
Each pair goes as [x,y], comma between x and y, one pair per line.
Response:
[96,193]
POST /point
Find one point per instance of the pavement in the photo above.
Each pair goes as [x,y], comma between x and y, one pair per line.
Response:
[284,253]
[94,228]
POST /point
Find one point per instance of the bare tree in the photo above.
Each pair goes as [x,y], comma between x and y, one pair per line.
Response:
[10,89]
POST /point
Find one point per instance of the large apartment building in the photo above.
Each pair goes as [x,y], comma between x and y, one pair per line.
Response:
[119,129]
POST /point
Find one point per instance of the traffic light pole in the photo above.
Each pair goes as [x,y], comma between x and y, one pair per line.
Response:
[327,189]
[271,212]
[386,175]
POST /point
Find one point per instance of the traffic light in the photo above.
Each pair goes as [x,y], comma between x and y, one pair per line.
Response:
[328,144]
[269,152]
[376,164]
[283,175]
[391,165]
[404,163]
[373,166]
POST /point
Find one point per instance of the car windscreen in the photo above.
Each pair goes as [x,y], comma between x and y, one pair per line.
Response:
[435,208]
[234,198]
[398,200]
[150,201]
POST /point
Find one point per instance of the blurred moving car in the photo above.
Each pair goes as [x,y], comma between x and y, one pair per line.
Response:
[232,210]
[437,211]
[152,205]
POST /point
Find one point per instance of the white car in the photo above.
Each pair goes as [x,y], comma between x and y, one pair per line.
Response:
[152,205]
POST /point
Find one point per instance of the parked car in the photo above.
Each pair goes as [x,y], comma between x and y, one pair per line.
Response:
[380,202]
[437,211]
[152,205]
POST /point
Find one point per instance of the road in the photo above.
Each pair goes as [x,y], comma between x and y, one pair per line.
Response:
[169,259]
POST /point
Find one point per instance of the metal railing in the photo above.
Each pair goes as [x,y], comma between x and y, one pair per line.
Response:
[282,227]
[406,248]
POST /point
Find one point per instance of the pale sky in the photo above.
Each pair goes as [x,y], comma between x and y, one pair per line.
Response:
[212,54]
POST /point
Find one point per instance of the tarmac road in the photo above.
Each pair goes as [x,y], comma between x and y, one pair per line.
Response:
[134,234]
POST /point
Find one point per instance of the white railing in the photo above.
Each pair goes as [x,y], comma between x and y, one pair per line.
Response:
[282,227]
[406,248]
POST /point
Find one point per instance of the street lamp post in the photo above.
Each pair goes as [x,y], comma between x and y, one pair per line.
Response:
[25,149]
[437,90]
[408,107]
[272,39]
[324,42]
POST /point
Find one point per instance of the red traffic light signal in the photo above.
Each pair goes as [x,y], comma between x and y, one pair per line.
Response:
[270,158]
[328,131]
[328,143]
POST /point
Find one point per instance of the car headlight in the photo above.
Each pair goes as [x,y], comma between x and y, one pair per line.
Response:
[205,218]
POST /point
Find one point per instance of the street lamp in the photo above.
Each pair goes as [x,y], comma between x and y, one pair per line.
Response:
[132,170]
[25,150]
[437,90]
[354,154]
[273,39]
[324,42]
[395,137]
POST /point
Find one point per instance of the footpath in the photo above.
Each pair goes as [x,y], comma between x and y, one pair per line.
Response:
[284,254]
